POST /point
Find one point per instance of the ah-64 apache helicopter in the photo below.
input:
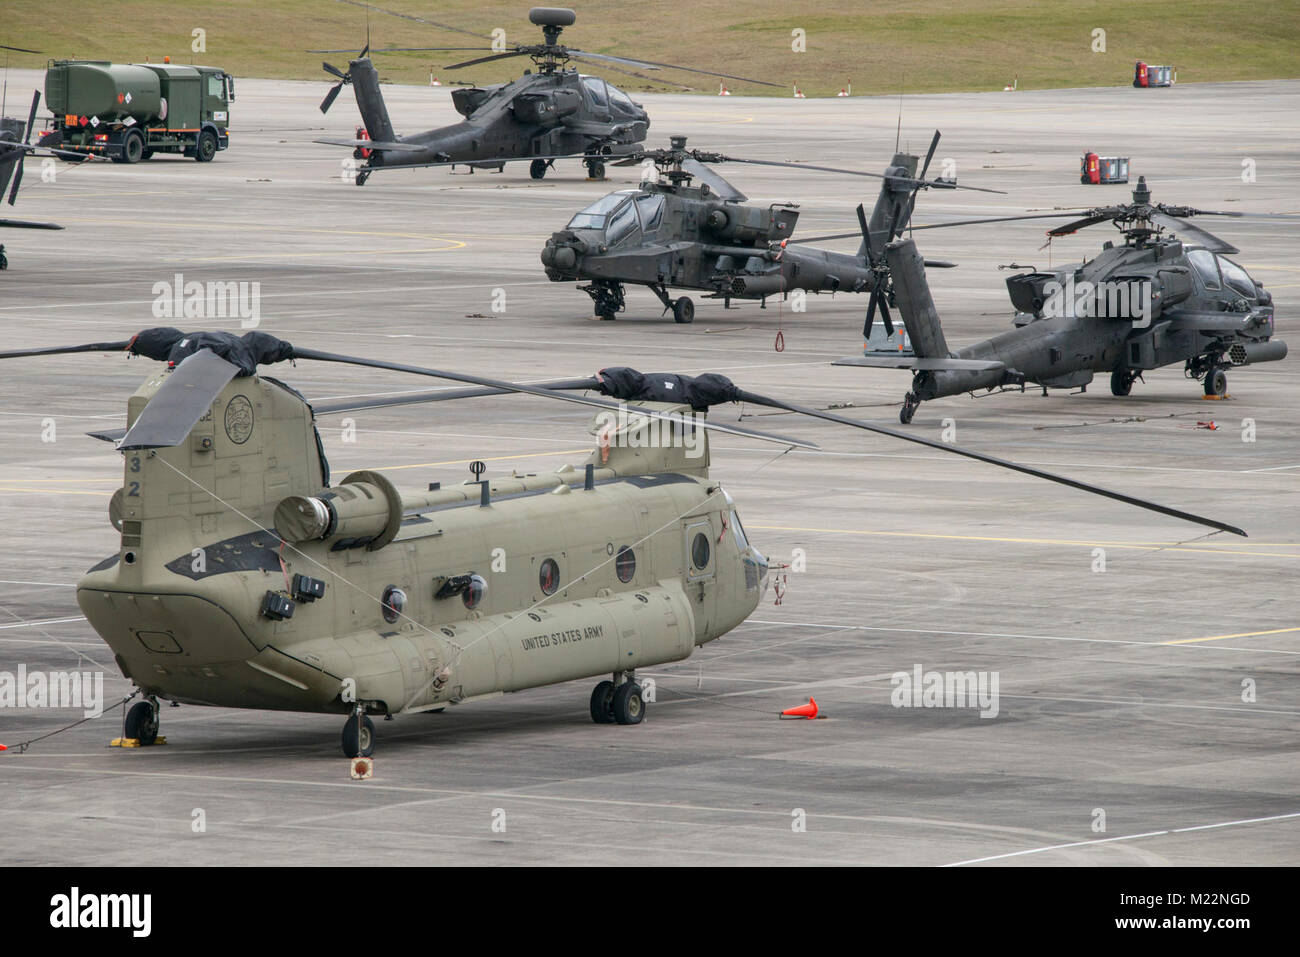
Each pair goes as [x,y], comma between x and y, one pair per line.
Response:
[1151,302]
[669,234]
[246,578]
[15,146]
[539,117]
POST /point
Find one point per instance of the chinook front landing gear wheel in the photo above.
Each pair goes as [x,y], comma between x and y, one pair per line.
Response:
[684,310]
[1216,382]
[142,723]
[629,707]
[537,169]
[358,745]
[602,703]
[910,404]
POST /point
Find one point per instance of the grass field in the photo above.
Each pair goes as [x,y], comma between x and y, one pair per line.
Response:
[916,45]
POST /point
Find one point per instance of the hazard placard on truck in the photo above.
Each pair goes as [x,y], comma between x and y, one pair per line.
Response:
[130,111]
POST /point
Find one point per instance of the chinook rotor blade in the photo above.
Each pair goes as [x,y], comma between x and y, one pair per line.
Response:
[185,397]
[1207,239]
[545,393]
[121,346]
[338,406]
[993,460]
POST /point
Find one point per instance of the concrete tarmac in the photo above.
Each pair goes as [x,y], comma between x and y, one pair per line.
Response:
[1147,713]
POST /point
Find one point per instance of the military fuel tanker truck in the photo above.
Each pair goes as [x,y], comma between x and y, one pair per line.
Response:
[128,112]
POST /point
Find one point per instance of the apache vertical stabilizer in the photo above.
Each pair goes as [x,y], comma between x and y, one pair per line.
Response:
[912,294]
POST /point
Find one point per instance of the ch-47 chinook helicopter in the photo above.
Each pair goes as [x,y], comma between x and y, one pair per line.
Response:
[15,146]
[246,578]
[1151,302]
[670,234]
[540,117]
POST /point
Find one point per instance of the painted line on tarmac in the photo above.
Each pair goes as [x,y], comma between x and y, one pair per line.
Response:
[1126,837]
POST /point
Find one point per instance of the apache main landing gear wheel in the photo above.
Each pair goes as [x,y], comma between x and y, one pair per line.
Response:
[1121,381]
[602,703]
[1216,382]
[537,169]
[910,404]
[142,723]
[595,169]
[358,745]
[629,707]
[684,310]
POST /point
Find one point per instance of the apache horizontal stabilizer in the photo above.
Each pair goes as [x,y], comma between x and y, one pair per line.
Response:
[382,146]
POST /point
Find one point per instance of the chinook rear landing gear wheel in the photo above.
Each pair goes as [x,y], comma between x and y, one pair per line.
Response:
[910,404]
[358,745]
[602,703]
[629,707]
[142,723]
[1216,382]
[133,147]
[537,168]
[684,310]
[207,147]
[595,169]
[1121,381]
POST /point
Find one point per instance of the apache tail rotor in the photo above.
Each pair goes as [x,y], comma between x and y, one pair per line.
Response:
[344,80]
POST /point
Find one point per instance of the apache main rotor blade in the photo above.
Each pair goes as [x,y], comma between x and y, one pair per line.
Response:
[992,460]
[487,59]
[938,184]
[1180,226]
[533,390]
[609,66]
[725,190]
[1078,224]
[652,64]
[24,224]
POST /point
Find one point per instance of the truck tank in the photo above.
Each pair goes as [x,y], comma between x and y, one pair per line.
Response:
[106,90]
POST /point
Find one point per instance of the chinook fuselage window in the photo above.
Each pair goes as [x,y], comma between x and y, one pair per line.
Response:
[625,564]
[548,576]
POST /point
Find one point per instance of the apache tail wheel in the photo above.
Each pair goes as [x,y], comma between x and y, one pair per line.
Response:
[133,147]
[1121,382]
[358,746]
[596,170]
[1216,382]
[207,147]
[537,169]
[142,723]
[629,708]
[684,310]
[602,703]
[4,261]
[362,176]
[910,405]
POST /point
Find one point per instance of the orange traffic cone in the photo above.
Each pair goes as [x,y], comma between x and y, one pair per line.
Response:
[808,710]
[798,93]
[723,91]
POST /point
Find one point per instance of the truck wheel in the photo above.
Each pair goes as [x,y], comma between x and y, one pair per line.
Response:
[132,147]
[147,154]
[207,147]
